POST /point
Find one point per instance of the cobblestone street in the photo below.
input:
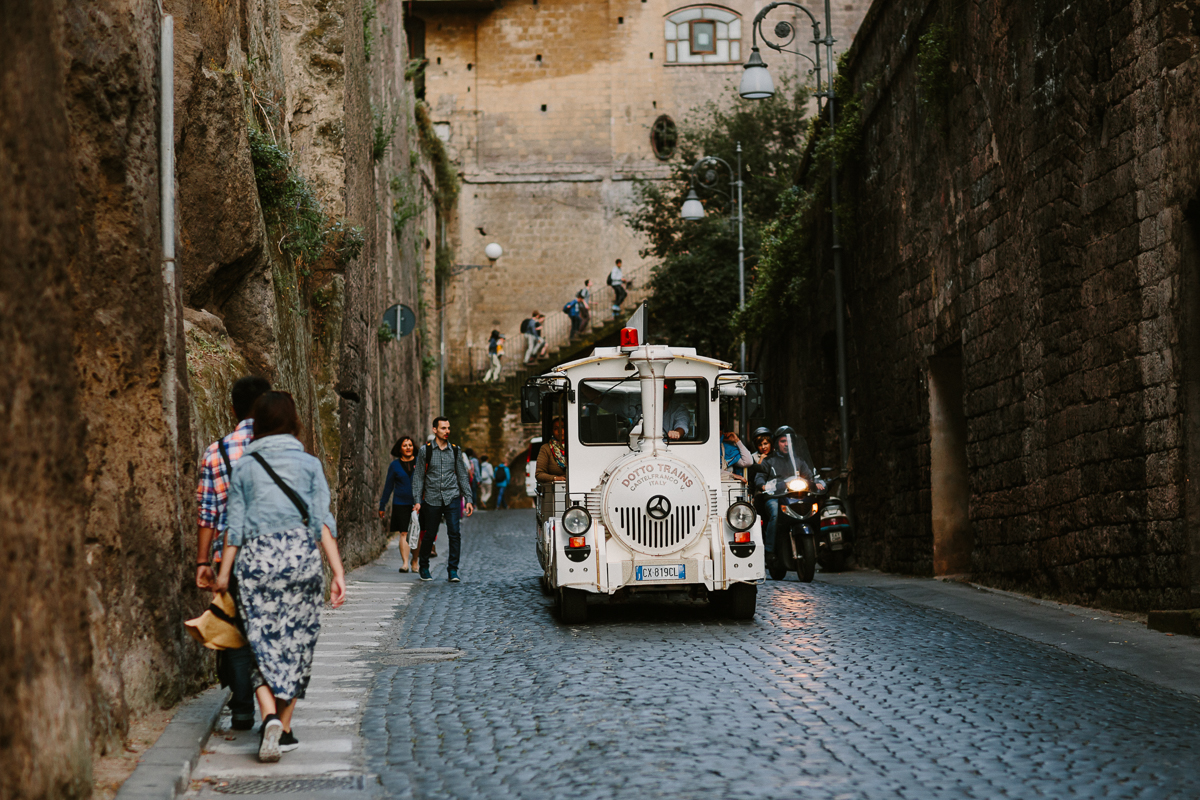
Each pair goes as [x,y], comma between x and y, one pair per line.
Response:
[831,692]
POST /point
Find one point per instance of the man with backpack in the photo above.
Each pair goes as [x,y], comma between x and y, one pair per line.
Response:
[572,310]
[440,484]
[234,667]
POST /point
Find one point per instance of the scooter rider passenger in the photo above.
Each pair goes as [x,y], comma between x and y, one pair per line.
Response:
[789,458]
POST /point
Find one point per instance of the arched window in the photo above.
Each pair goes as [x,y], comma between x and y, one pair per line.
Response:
[704,35]
[663,137]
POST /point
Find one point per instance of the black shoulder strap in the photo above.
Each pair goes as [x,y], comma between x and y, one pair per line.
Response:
[295,498]
[225,457]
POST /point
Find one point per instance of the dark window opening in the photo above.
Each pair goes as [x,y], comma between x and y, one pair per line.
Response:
[470,67]
[663,137]
[414,32]
[538,57]
[543,107]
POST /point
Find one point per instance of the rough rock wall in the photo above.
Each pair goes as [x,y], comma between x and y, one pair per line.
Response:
[1030,205]
[112,382]
[94,463]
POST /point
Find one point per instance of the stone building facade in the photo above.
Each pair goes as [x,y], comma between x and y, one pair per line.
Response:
[115,372]
[549,108]
[1023,305]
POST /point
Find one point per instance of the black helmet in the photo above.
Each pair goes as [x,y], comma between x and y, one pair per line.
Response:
[783,430]
[760,431]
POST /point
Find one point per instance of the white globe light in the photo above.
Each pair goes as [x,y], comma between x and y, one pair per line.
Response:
[493,251]
[756,81]
[692,209]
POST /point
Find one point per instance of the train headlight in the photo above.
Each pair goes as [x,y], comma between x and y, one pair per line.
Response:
[577,520]
[741,516]
[797,485]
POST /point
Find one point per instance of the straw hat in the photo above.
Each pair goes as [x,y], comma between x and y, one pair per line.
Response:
[216,628]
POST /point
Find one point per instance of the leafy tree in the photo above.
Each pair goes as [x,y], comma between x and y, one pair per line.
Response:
[695,279]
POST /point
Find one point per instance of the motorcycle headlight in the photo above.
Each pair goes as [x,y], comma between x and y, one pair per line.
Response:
[740,516]
[577,520]
[797,485]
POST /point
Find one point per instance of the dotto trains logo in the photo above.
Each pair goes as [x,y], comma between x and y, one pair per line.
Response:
[657,474]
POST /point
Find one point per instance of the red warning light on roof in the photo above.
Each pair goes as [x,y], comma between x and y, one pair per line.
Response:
[629,337]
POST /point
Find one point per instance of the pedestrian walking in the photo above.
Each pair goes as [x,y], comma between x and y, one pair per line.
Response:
[473,464]
[584,296]
[616,279]
[529,331]
[234,666]
[501,477]
[487,477]
[440,484]
[572,310]
[495,354]
[399,486]
[279,522]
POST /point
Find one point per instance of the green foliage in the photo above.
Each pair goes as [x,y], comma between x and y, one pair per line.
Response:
[783,269]
[406,204]
[413,69]
[429,365]
[695,281]
[385,129]
[933,69]
[446,175]
[312,237]
[368,15]
[444,262]
[385,334]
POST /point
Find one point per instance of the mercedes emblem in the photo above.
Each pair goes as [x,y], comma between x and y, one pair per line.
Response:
[659,507]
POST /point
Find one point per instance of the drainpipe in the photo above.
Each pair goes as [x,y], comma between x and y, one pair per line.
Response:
[166,181]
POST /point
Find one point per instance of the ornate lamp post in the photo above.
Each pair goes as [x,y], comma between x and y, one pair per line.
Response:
[757,85]
[704,175]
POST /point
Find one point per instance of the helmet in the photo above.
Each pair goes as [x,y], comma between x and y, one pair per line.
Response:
[760,431]
[783,430]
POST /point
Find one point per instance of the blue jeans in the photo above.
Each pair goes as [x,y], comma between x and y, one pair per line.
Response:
[500,487]
[431,518]
[772,515]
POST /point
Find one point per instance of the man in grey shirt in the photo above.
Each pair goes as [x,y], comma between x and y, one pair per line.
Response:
[440,482]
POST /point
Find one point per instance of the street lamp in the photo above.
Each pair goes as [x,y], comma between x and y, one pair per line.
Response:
[704,175]
[757,85]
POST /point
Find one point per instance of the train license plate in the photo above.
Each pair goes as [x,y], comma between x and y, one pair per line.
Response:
[661,572]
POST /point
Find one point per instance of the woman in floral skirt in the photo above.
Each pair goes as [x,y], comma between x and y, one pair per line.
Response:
[279,522]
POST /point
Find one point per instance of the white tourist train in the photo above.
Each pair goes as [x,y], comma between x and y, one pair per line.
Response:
[643,507]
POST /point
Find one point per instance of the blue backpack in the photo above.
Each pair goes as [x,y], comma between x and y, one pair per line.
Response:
[571,309]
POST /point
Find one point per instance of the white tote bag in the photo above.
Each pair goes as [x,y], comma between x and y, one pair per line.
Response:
[414,531]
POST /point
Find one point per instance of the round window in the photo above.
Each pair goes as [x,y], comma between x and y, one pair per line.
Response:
[663,137]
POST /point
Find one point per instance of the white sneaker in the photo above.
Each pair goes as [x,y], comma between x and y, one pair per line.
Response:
[268,748]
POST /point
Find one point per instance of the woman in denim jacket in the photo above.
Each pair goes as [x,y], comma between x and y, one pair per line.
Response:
[271,553]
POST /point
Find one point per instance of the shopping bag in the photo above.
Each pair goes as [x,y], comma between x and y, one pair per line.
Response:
[414,531]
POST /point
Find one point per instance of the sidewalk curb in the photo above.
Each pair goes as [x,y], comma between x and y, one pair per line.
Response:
[165,770]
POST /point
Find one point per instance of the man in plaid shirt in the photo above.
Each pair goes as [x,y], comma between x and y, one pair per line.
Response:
[216,467]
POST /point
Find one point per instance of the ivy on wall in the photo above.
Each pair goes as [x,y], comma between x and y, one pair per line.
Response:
[315,239]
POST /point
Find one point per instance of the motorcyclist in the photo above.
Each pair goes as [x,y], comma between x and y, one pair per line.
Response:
[789,458]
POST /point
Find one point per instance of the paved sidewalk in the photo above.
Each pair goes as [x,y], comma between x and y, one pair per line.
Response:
[1117,642]
[329,762]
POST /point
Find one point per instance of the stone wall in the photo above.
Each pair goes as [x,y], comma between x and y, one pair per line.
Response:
[1029,208]
[547,108]
[116,378]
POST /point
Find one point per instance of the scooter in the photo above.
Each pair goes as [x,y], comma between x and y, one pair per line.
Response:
[835,541]
[796,527]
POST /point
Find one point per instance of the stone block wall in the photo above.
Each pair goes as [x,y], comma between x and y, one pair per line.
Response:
[547,108]
[1031,209]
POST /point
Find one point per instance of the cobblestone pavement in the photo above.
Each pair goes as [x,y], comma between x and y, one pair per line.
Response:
[831,692]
